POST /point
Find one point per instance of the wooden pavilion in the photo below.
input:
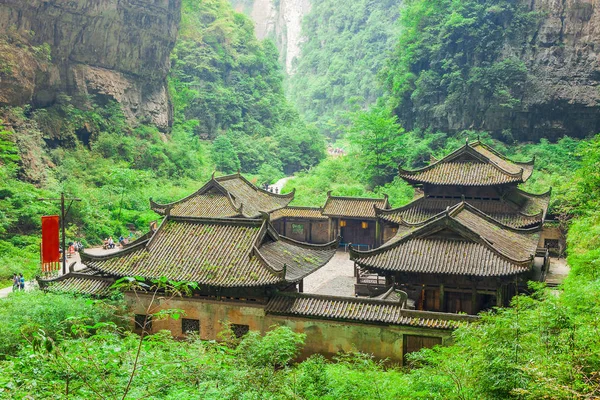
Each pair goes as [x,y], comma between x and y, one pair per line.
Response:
[230,196]
[468,241]
[354,219]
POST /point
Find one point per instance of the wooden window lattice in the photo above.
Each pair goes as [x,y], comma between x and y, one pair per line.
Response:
[140,319]
[190,325]
[239,330]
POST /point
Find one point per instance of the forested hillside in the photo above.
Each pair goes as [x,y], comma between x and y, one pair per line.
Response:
[345,49]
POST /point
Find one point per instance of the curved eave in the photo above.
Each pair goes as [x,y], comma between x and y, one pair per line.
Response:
[518,268]
[356,254]
[92,257]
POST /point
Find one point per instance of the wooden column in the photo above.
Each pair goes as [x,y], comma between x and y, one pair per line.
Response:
[442,299]
[377,233]
[474,307]
[301,286]
[310,232]
[499,296]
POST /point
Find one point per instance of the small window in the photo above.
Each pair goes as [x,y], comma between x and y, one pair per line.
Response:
[190,325]
[298,229]
[551,243]
[141,320]
[239,330]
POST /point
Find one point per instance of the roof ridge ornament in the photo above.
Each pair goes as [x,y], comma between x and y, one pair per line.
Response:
[212,177]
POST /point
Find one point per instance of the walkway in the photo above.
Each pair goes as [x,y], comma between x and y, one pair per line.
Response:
[336,278]
[557,272]
[280,183]
[32,284]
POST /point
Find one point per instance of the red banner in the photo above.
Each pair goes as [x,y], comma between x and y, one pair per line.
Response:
[50,243]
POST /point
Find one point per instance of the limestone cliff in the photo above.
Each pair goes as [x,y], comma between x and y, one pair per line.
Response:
[564,59]
[118,49]
[280,20]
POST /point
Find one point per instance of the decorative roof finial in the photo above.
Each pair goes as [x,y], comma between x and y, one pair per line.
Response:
[213,174]
[467,141]
[329,193]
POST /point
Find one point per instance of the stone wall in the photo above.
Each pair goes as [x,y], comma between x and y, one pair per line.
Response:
[325,337]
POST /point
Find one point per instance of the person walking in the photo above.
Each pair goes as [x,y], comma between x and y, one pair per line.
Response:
[16,282]
[21,282]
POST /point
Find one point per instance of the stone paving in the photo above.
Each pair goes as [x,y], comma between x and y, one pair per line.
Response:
[336,278]
[557,272]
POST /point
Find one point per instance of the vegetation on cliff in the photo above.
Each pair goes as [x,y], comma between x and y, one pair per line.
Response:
[450,68]
[337,69]
[230,84]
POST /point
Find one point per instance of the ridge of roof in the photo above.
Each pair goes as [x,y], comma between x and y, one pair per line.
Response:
[451,156]
[392,314]
[329,196]
[471,149]
[76,274]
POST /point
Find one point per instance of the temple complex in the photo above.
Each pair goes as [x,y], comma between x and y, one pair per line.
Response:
[469,241]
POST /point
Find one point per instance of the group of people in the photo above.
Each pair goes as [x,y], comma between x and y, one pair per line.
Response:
[74,247]
[272,189]
[109,243]
[18,282]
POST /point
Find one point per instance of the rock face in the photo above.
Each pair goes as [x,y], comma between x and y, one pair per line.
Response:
[280,20]
[117,49]
[564,59]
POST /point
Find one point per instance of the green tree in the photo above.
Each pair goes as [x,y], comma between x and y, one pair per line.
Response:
[376,137]
[224,155]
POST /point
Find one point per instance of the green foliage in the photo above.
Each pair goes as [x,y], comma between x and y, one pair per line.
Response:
[277,349]
[224,156]
[337,69]
[449,68]
[376,136]
[230,84]
[23,314]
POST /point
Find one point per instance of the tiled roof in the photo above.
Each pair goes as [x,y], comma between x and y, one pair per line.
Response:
[353,207]
[474,164]
[298,258]
[80,283]
[461,241]
[513,210]
[223,197]
[442,256]
[211,205]
[298,212]
[216,252]
[253,199]
[360,310]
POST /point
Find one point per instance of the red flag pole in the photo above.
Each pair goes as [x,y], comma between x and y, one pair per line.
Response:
[63,214]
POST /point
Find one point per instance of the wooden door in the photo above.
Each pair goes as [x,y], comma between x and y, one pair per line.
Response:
[415,343]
